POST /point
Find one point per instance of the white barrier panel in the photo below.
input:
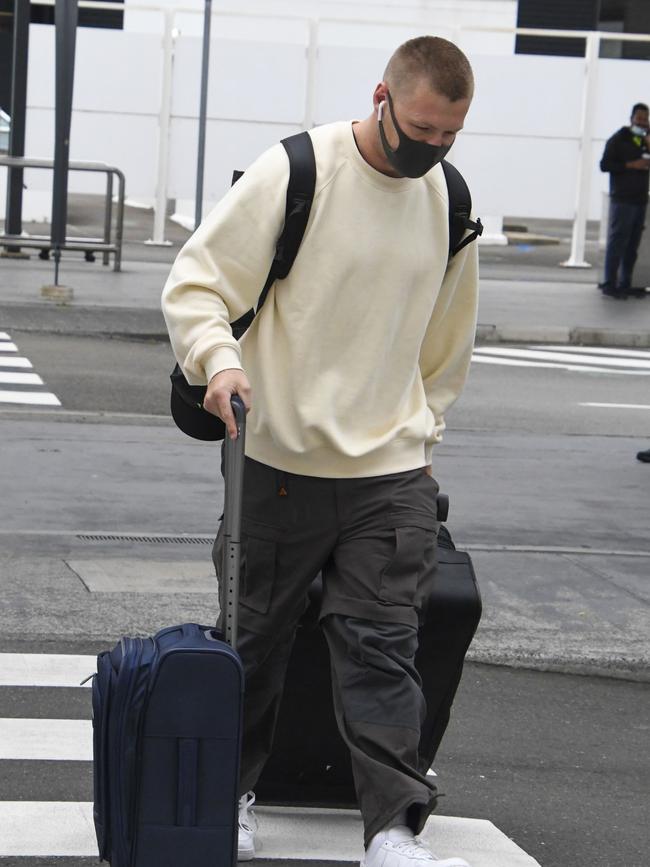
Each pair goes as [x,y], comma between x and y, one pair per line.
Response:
[520,149]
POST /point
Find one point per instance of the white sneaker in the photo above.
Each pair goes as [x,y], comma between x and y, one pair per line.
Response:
[247,828]
[398,847]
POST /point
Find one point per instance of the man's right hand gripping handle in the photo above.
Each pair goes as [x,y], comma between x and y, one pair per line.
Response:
[220,389]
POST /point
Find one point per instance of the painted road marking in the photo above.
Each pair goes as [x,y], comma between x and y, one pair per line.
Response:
[45,669]
[60,829]
[20,378]
[51,740]
[617,405]
[34,398]
[18,395]
[14,361]
[65,829]
[516,362]
[545,355]
[596,350]
[579,359]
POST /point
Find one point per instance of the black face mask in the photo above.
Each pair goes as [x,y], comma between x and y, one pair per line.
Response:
[410,158]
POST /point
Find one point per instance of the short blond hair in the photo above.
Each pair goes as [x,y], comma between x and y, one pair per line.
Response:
[436,60]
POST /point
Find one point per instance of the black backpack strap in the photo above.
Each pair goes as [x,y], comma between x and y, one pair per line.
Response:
[300,194]
[460,210]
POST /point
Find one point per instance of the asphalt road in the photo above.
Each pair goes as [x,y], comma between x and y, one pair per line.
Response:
[126,376]
[558,762]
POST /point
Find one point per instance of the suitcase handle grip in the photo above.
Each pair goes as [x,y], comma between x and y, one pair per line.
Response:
[239,410]
[234,487]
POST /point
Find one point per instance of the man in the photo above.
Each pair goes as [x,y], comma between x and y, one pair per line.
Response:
[627,159]
[347,372]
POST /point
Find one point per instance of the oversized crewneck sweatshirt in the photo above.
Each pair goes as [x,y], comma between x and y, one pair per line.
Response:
[356,356]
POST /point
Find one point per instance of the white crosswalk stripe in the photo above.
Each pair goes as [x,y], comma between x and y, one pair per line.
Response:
[24,388]
[46,739]
[576,359]
[64,829]
[14,360]
[20,378]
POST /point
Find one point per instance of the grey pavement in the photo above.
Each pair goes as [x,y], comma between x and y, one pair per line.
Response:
[128,302]
[526,296]
[574,603]
[108,527]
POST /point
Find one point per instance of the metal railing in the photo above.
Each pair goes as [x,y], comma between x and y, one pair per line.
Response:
[108,244]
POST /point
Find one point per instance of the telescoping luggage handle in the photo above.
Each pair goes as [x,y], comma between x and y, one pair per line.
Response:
[232,509]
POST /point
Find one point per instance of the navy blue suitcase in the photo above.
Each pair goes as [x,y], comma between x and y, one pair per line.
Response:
[167,715]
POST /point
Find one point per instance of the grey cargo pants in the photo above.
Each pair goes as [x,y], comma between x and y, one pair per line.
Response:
[374,541]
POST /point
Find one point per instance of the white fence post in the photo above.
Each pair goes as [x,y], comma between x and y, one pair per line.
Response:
[310,85]
[577,256]
[164,122]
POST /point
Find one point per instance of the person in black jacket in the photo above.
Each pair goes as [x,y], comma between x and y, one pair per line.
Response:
[627,159]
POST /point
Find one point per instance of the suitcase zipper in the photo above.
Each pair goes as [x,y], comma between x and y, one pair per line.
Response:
[152,665]
[125,843]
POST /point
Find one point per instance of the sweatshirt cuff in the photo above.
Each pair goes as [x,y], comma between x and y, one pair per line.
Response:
[224,358]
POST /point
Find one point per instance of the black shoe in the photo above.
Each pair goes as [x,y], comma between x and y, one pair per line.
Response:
[644,456]
[621,294]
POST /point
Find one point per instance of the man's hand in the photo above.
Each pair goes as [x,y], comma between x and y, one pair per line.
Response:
[220,389]
[428,470]
[640,164]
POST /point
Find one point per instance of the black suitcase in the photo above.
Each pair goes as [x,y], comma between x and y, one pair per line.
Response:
[310,764]
[167,724]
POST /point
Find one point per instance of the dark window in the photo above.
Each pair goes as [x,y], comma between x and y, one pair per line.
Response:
[87,17]
[555,15]
[40,14]
[624,16]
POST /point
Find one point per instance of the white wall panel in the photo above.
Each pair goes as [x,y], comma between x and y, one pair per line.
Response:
[40,69]
[39,134]
[117,72]
[517,175]
[254,81]
[345,81]
[621,83]
[525,94]
[384,37]
[130,143]
[519,150]
[229,145]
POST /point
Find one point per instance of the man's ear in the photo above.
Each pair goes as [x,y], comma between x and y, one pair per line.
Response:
[380,94]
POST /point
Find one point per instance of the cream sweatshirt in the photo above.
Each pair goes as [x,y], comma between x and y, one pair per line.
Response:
[356,356]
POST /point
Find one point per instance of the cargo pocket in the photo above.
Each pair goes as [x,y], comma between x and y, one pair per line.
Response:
[400,578]
[258,566]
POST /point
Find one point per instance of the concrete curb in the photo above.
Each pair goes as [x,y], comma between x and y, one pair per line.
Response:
[573,336]
[148,324]
[619,668]
[131,322]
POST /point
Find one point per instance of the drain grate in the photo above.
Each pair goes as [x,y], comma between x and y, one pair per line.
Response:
[150,539]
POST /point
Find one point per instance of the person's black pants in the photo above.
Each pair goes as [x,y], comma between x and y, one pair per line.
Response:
[374,541]
[626,222]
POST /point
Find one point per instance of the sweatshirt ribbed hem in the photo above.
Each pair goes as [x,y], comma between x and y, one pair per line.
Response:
[399,456]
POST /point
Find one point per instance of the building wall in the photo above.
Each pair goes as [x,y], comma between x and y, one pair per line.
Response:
[519,151]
